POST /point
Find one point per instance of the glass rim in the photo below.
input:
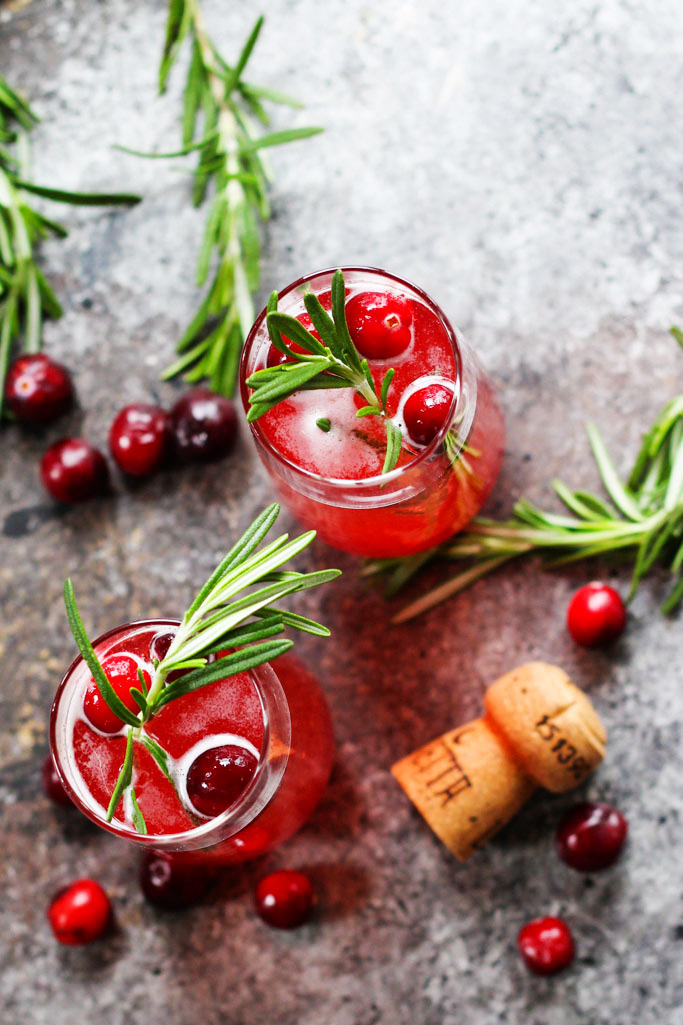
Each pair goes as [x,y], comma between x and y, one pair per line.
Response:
[180,840]
[380,479]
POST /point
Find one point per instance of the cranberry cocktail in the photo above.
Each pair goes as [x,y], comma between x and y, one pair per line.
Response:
[204,733]
[247,757]
[327,455]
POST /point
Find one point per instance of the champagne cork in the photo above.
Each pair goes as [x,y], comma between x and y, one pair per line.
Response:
[538,729]
[549,723]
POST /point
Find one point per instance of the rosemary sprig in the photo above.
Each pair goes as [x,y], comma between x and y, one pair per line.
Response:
[26,297]
[644,515]
[333,362]
[233,610]
[228,145]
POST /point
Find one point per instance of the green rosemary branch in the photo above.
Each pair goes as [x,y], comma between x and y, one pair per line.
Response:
[333,362]
[228,145]
[235,609]
[26,297]
[644,515]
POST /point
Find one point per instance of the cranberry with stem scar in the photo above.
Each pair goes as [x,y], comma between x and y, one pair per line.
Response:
[590,836]
[122,673]
[171,881]
[218,777]
[546,945]
[285,899]
[73,470]
[425,412]
[79,913]
[38,389]
[596,615]
[204,426]
[139,437]
[379,324]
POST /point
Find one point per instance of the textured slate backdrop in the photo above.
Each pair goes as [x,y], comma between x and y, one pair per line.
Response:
[521,161]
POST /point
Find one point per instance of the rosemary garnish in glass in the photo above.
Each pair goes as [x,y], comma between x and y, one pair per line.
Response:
[644,515]
[333,362]
[234,609]
[228,146]
[26,297]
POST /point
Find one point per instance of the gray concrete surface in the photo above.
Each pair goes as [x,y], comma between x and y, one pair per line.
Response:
[521,161]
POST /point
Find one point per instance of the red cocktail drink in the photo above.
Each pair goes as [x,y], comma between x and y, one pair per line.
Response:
[326,462]
[262,737]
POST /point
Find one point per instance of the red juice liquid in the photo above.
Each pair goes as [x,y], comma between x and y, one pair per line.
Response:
[294,749]
[331,481]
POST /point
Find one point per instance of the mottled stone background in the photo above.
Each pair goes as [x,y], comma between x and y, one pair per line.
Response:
[521,161]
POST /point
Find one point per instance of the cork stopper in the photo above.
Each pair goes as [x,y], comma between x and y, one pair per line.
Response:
[549,723]
[538,729]
[466,784]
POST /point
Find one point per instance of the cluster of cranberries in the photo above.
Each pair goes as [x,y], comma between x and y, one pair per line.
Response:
[589,838]
[201,427]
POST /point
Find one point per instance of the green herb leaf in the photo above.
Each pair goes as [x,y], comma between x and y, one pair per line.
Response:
[324,424]
[138,817]
[124,778]
[394,442]
[90,658]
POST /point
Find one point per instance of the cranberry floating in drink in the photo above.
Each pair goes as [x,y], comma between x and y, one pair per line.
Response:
[207,736]
[375,421]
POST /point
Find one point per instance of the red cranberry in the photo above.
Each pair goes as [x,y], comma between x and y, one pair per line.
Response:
[138,438]
[218,777]
[80,912]
[52,784]
[546,944]
[204,426]
[161,642]
[38,389]
[285,899]
[122,673]
[596,615]
[73,471]
[426,411]
[590,836]
[170,881]
[379,324]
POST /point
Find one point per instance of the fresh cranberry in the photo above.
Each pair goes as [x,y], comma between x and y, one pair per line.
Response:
[80,912]
[161,642]
[52,784]
[590,836]
[285,899]
[122,673]
[138,438]
[218,777]
[204,426]
[596,615]
[72,470]
[379,324]
[38,389]
[546,944]
[170,881]
[426,411]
